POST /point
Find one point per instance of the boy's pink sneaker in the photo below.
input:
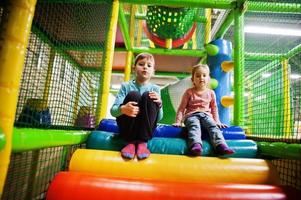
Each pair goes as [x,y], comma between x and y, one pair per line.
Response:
[142,151]
[128,151]
[223,149]
[196,149]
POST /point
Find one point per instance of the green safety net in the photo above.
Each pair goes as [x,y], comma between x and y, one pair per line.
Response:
[62,75]
[169,22]
[2,139]
[272,89]
[181,21]
[60,82]
[58,90]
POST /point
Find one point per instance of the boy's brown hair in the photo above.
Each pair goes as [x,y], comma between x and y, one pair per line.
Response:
[144,55]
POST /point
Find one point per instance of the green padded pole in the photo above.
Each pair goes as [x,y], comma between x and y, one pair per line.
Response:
[263,56]
[239,41]
[225,25]
[173,52]
[222,4]
[124,28]
[293,51]
[140,16]
[280,150]
[26,139]
[2,139]
[274,7]
[180,75]
[265,68]
[200,19]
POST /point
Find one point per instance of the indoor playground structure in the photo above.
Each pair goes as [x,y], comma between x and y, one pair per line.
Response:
[61,62]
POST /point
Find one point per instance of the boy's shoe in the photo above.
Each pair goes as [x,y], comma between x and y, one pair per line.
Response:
[128,151]
[223,149]
[142,151]
[196,149]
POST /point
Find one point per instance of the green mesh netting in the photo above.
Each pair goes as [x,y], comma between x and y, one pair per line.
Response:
[168,22]
[60,81]
[31,172]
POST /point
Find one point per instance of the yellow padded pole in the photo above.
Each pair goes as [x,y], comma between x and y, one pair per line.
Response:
[129,57]
[249,129]
[139,33]
[14,39]
[194,41]
[108,62]
[48,79]
[208,25]
[132,24]
[175,168]
[286,99]
[128,66]
[151,44]
[76,99]
[168,43]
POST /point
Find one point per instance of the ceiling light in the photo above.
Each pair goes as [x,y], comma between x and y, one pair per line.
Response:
[295,76]
[272,30]
[266,75]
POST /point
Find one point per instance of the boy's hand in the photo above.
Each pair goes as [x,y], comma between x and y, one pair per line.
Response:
[155,97]
[220,125]
[130,109]
[177,124]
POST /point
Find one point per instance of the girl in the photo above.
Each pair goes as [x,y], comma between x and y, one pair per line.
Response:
[137,108]
[198,109]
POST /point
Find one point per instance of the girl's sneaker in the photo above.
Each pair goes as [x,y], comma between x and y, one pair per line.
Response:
[223,149]
[128,151]
[196,149]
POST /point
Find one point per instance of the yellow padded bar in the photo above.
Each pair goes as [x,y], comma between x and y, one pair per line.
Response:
[14,39]
[108,62]
[175,168]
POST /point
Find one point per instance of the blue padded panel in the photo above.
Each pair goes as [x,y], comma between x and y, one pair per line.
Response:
[168,131]
[176,146]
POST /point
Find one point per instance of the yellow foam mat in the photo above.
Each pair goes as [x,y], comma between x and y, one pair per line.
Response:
[175,168]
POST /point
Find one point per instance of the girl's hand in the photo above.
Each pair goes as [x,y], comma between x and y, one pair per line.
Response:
[130,109]
[221,125]
[177,124]
[155,97]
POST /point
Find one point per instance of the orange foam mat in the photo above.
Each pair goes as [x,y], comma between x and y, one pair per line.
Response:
[78,185]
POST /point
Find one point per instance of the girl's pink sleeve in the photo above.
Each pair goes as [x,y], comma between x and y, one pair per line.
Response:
[182,107]
[213,107]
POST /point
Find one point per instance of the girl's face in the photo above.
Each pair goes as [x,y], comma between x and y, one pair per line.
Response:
[201,78]
[144,69]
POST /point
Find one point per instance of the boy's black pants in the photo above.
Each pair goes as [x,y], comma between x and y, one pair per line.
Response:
[141,127]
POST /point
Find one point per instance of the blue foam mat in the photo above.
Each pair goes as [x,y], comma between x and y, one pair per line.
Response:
[177,146]
[168,131]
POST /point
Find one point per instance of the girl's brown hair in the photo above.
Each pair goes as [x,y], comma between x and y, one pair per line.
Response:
[198,66]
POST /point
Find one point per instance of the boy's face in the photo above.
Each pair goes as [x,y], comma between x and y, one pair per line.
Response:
[201,77]
[144,69]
